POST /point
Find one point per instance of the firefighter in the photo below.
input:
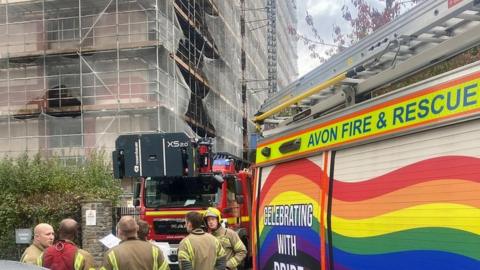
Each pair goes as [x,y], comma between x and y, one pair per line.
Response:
[64,254]
[43,236]
[199,250]
[133,253]
[143,230]
[235,250]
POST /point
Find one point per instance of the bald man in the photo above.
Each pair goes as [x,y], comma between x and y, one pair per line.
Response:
[133,253]
[43,236]
[64,254]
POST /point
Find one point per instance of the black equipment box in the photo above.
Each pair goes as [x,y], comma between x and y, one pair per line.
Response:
[154,155]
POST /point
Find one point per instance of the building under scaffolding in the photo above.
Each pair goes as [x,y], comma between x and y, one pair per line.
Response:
[74,74]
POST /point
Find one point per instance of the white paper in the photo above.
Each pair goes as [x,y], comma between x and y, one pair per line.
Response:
[110,241]
[91,216]
[189,202]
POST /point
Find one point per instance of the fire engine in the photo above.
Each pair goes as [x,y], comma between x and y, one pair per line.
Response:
[380,168]
[176,174]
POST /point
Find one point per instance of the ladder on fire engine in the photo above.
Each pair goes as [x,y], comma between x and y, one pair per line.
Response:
[431,32]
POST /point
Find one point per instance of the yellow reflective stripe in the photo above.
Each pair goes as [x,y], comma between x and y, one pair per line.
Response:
[232,220]
[191,252]
[113,260]
[77,265]
[183,255]
[245,219]
[223,239]
[238,245]
[40,260]
[235,220]
[233,261]
[220,250]
[169,213]
[155,257]
[164,265]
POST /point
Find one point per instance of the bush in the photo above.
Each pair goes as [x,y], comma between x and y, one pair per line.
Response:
[35,190]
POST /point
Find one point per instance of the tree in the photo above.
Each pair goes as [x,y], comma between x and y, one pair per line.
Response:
[369,18]
[363,20]
[38,190]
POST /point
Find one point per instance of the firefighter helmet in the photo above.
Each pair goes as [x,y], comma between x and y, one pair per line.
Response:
[213,212]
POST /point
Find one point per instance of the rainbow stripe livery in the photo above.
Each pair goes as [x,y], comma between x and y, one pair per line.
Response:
[425,215]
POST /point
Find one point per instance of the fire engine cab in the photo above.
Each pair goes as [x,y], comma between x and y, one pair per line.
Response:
[175,174]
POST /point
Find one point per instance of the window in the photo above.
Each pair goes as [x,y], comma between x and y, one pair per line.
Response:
[64,132]
[181,192]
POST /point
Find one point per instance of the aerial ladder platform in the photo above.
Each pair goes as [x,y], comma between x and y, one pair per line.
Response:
[429,33]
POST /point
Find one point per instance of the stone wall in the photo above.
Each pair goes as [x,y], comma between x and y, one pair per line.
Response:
[102,227]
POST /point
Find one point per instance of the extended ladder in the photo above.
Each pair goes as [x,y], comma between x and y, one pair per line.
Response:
[430,32]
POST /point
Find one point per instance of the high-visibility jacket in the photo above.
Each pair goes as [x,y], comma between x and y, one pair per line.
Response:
[235,250]
[31,254]
[81,261]
[201,251]
[134,254]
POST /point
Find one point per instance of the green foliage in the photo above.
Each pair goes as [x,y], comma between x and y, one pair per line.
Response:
[34,190]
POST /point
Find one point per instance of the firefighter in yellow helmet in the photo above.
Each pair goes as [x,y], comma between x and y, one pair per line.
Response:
[234,248]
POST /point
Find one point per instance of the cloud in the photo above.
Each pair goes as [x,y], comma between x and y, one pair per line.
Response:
[324,7]
[325,14]
[305,62]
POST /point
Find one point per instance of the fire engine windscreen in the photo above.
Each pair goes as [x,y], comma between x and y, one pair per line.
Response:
[181,192]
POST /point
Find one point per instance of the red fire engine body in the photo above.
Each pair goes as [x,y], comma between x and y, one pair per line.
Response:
[176,175]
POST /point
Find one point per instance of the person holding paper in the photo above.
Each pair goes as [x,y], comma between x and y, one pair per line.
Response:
[133,253]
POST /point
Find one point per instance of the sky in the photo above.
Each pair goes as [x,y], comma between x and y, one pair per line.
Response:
[325,14]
